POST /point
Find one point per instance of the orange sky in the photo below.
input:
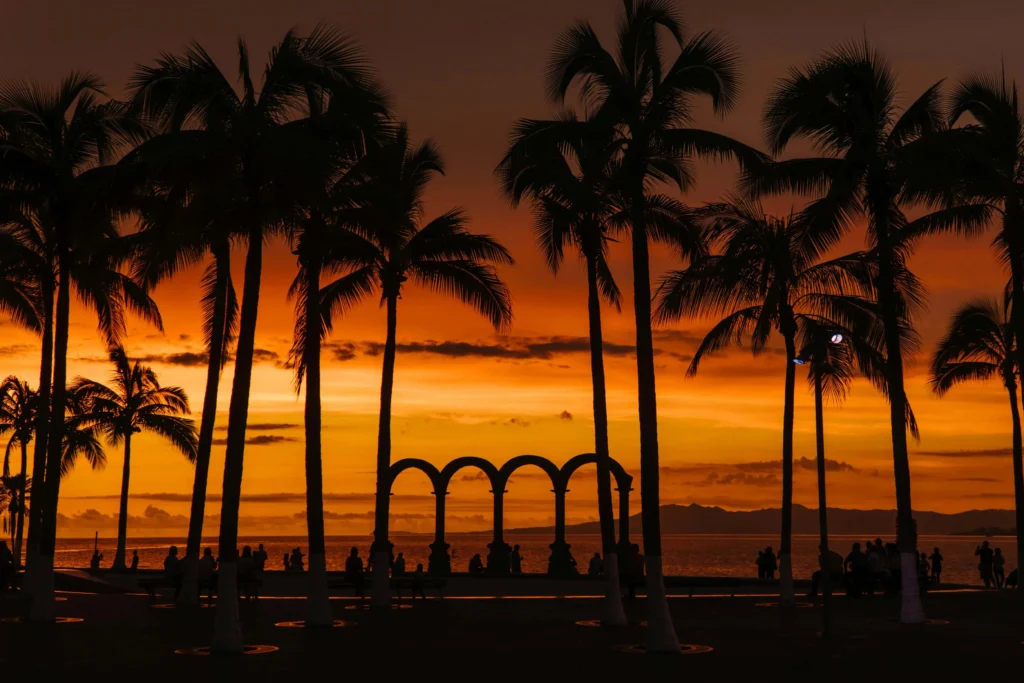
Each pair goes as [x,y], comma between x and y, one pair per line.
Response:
[461,72]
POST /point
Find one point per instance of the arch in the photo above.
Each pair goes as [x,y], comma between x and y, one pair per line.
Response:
[515,463]
[485,466]
[414,464]
[622,478]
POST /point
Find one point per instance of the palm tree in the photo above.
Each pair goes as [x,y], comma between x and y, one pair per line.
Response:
[259,138]
[647,104]
[765,280]
[183,222]
[572,189]
[324,248]
[980,345]
[134,403]
[385,215]
[877,162]
[58,145]
[18,417]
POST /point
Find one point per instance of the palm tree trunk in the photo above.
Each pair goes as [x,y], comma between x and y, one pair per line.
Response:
[613,613]
[227,632]
[911,609]
[21,507]
[318,606]
[42,432]
[43,605]
[381,596]
[787,596]
[826,578]
[1018,474]
[122,511]
[661,635]
[189,594]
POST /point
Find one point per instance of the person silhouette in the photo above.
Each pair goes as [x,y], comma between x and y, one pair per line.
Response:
[205,573]
[771,564]
[984,554]
[476,565]
[246,572]
[760,564]
[998,568]
[172,569]
[922,571]
[936,558]
[97,557]
[259,558]
[354,572]
[596,567]
[135,561]
[295,562]
[399,567]
[515,560]
[417,583]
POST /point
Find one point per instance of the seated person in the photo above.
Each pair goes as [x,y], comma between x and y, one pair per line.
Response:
[476,565]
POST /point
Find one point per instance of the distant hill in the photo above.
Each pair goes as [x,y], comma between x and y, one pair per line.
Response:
[698,519]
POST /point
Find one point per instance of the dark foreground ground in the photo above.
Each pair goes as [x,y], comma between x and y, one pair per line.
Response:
[124,638]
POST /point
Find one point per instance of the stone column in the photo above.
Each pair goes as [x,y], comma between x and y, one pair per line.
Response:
[560,562]
[497,558]
[440,562]
[625,547]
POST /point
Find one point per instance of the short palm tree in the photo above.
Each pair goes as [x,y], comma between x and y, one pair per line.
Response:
[58,147]
[567,169]
[765,280]
[648,105]
[386,211]
[135,402]
[18,420]
[259,139]
[981,345]
[876,162]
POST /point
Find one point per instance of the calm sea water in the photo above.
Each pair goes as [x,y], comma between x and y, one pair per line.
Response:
[685,554]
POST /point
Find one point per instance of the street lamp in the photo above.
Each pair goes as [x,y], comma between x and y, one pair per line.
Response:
[836,338]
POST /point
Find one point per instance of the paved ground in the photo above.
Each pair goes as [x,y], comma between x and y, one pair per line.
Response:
[123,637]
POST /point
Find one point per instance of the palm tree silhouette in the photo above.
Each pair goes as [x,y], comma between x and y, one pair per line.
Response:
[765,280]
[567,169]
[18,418]
[877,161]
[980,345]
[182,222]
[58,147]
[135,402]
[385,214]
[259,137]
[648,104]
[324,247]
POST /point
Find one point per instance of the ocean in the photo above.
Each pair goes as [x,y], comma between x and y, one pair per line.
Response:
[684,554]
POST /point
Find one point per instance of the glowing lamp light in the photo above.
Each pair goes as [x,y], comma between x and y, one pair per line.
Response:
[836,338]
[799,361]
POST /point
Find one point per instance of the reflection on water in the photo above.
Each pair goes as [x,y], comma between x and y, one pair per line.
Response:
[685,554]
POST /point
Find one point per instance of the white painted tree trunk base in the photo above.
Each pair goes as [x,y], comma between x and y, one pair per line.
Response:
[43,606]
[787,595]
[661,633]
[613,613]
[380,589]
[189,595]
[318,602]
[911,609]
[227,625]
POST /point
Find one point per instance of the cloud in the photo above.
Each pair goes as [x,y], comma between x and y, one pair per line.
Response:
[184,337]
[474,476]
[264,426]
[296,497]
[259,440]
[518,422]
[264,355]
[741,478]
[975,453]
[152,518]
[342,350]
[566,415]
[679,336]
[15,349]
[189,359]
[512,348]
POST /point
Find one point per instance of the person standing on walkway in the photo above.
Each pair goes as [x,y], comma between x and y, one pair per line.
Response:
[984,554]
[998,568]
[936,559]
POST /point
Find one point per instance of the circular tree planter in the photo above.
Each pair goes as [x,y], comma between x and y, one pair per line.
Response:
[684,649]
[794,605]
[246,650]
[394,605]
[57,620]
[597,623]
[301,623]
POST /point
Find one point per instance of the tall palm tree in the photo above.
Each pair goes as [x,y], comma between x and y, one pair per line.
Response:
[981,344]
[648,105]
[385,211]
[183,222]
[765,280]
[135,402]
[58,149]
[260,138]
[324,248]
[877,161]
[18,417]
[567,170]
